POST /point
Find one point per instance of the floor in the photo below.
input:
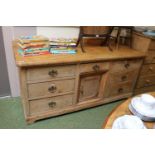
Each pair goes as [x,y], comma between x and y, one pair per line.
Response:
[11,117]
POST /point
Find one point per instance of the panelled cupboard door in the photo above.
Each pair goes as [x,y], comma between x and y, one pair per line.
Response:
[89,86]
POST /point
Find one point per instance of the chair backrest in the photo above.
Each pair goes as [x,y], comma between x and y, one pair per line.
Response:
[95,30]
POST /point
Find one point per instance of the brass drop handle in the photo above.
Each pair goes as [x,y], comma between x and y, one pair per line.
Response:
[120,90]
[150,68]
[127,65]
[52,104]
[96,67]
[52,88]
[147,81]
[53,73]
[124,77]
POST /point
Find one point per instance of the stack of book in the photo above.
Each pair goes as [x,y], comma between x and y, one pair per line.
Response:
[33,45]
[63,46]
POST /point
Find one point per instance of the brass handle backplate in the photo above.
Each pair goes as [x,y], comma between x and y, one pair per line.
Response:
[124,77]
[127,65]
[148,81]
[52,88]
[120,90]
[150,69]
[53,73]
[96,67]
[52,104]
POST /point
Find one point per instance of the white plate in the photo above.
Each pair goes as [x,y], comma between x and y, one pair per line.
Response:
[142,117]
[128,122]
[141,108]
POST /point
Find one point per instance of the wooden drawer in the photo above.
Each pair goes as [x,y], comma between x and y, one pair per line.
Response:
[152,45]
[146,81]
[47,73]
[144,90]
[118,89]
[50,104]
[91,67]
[147,70]
[118,77]
[150,58]
[50,88]
[127,65]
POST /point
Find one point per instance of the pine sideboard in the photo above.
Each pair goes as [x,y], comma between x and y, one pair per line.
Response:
[53,85]
[146,79]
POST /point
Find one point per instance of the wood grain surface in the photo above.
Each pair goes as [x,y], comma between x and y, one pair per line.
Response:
[96,53]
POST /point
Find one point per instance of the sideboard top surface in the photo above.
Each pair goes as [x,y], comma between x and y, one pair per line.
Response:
[97,53]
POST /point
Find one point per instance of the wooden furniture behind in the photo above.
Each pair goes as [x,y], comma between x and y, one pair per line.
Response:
[97,33]
[120,110]
[56,84]
[146,80]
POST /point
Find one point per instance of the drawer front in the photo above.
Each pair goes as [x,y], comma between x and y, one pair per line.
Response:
[150,58]
[50,104]
[91,67]
[118,77]
[146,81]
[147,70]
[126,65]
[144,90]
[118,89]
[47,73]
[50,88]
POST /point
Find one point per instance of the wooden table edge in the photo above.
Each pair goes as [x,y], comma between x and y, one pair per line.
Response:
[108,117]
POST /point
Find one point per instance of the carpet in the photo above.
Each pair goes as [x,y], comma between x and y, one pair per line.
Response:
[12,117]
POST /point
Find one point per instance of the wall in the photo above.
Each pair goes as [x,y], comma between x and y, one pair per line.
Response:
[4,79]
[10,33]
[58,32]
[23,31]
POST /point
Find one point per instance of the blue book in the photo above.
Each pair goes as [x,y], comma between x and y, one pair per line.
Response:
[62,51]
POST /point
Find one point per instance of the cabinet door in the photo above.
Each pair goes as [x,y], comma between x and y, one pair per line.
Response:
[89,87]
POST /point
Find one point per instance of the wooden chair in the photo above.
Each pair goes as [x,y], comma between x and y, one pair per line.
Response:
[119,37]
[96,32]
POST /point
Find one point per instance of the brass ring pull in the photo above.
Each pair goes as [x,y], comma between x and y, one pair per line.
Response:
[150,68]
[52,104]
[120,90]
[52,88]
[127,65]
[96,67]
[124,77]
[148,81]
[53,73]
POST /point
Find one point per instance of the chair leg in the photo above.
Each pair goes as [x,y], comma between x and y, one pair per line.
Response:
[118,38]
[82,45]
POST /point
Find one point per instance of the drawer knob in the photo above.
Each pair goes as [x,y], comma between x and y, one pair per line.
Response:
[124,77]
[150,69]
[127,65]
[120,90]
[52,88]
[52,104]
[96,67]
[53,73]
[148,81]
